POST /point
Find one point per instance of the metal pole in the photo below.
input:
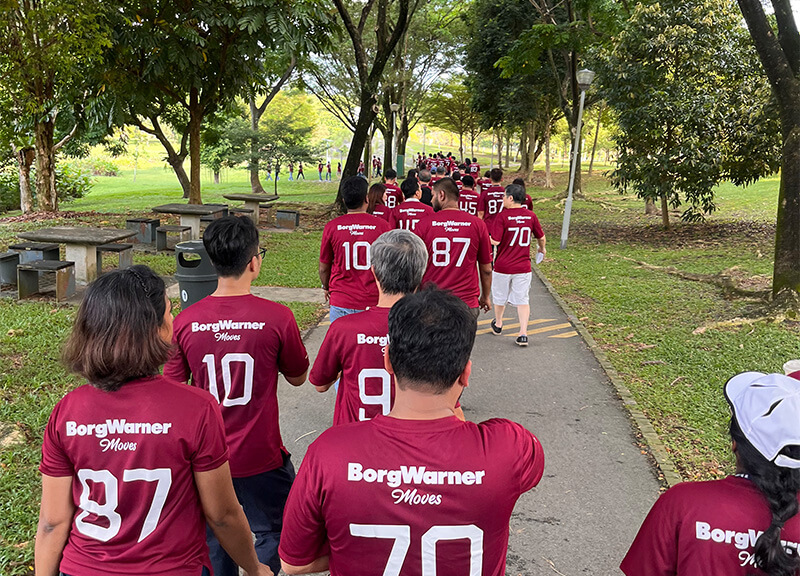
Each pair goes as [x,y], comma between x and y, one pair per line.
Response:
[575,152]
[424,134]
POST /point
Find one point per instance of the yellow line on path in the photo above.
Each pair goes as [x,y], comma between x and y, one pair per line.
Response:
[564,335]
[545,329]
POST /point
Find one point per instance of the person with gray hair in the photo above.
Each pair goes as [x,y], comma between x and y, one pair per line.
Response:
[354,345]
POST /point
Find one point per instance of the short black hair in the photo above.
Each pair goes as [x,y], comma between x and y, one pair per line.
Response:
[519,182]
[354,192]
[448,186]
[431,334]
[496,174]
[468,181]
[231,242]
[390,174]
[409,187]
[456,175]
[516,192]
[474,160]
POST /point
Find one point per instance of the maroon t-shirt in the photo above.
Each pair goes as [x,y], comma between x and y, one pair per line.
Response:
[475,171]
[234,347]
[410,497]
[393,196]
[457,242]
[408,214]
[381,211]
[132,455]
[529,202]
[513,228]
[491,203]
[701,528]
[346,242]
[482,183]
[468,201]
[354,346]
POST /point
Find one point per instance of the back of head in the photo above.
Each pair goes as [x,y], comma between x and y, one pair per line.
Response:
[441,170]
[390,174]
[116,335]
[231,242]
[399,259]
[474,160]
[448,186]
[354,192]
[486,174]
[412,174]
[375,196]
[456,175]
[425,176]
[468,181]
[409,187]
[431,334]
[516,192]
[496,174]
[519,182]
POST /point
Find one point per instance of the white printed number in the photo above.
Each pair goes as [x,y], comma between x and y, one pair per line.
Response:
[227,378]
[163,479]
[522,236]
[357,256]
[384,400]
[441,251]
[495,206]
[402,542]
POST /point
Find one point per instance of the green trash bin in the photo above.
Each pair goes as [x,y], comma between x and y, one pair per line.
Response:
[194,271]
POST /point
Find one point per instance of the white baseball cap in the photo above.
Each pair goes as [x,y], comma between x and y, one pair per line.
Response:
[767,409]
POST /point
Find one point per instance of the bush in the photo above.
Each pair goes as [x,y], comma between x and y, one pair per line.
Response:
[9,189]
[71,183]
[95,166]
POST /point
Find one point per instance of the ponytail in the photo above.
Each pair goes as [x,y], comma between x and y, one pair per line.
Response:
[780,487]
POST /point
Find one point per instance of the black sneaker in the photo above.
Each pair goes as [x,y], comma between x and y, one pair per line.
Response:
[522,340]
[495,330]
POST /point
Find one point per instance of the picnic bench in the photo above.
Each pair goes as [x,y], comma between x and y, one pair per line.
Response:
[190,214]
[253,201]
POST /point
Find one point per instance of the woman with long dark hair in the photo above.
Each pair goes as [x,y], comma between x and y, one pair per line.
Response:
[376,204]
[134,465]
[745,524]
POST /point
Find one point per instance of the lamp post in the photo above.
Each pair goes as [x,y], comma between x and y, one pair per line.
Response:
[424,135]
[395,108]
[584,78]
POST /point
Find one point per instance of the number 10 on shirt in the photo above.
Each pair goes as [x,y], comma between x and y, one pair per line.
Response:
[357,256]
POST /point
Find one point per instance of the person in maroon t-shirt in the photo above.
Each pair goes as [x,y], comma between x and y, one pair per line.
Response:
[475,169]
[354,346]
[132,463]
[233,345]
[459,249]
[416,492]
[511,278]
[426,187]
[394,196]
[492,198]
[375,205]
[408,214]
[481,183]
[741,525]
[467,197]
[344,255]
[528,200]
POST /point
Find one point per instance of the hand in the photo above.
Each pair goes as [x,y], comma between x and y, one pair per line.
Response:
[485,303]
[327,294]
[263,570]
[543,251]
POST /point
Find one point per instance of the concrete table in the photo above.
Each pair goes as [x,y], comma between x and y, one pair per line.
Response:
[252,201]
[190,214]
[81,245]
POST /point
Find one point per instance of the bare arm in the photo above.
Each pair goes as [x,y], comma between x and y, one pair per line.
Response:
[297,380]
[226,518]
[481,213]
[325,278]
[55,520]
[485,300]
[318,565]
[541,242]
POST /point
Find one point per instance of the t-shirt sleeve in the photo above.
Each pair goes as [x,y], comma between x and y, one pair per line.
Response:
[484,244]
[482,201]
[293,358]
[531,461]
[327,364]
[537,228]
[392,219]
[304,537]
[55,462]
[326,247]
[177,367]
[497,228]
[211,448]
[654,551]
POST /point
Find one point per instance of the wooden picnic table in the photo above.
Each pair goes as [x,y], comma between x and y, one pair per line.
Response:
[252,201]
[81,244]
[190,214]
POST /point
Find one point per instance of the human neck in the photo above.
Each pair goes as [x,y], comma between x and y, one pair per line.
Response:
[233,286]
[449,205]
[414,405]
[388,300]
[357,210]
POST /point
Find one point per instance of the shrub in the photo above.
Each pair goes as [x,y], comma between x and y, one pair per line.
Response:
[71,183]
[9,189]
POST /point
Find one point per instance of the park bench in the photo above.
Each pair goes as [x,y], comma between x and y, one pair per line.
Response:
[125,252]
[287,219]
[145,229]
[30,274]
[241,212]
[8,267]
[185,233]
[31,251]
[211,217]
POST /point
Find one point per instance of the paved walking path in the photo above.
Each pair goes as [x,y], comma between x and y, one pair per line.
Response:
[597,486]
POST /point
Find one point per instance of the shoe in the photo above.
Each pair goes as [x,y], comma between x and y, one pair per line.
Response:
[522,340]
[495,330]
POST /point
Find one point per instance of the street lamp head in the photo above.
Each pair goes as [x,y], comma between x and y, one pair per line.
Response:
[585,78]
[394,107]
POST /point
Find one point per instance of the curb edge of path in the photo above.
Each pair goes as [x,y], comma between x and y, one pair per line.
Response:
[653,443]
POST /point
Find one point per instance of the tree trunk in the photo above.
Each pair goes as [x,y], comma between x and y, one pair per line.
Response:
[388,142]
[499,148]
[650,207]
[523,147]
[195,120]
[25,158]
[665,211]
[45,167]
[548,176]
[596,134]
[216,176]
[365,118]
[255,180]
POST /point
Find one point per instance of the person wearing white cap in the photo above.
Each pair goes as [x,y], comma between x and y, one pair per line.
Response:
[746,524]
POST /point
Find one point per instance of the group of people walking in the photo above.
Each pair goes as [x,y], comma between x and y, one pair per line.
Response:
[151,474]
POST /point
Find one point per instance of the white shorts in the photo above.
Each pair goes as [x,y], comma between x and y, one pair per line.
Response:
[511,289]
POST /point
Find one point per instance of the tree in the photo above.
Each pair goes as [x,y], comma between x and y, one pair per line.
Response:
[452,110]
[680,78]
[780,57]
[184,61]
[47,50]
